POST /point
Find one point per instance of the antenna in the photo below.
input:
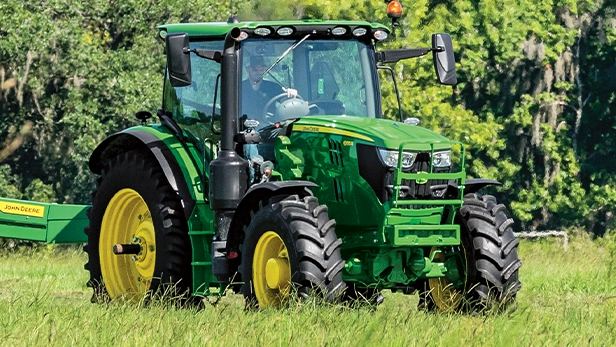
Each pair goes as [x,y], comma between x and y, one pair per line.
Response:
[232,17]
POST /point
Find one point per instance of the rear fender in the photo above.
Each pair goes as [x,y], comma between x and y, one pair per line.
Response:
[162,146]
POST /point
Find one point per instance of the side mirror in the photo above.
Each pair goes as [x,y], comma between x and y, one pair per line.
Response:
[444,61]
[178,59]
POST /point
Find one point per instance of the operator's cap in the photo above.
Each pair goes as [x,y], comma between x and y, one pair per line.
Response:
[256,60]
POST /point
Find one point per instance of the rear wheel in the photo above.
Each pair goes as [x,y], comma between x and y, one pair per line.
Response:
[483,269]
[290,248]
[135,206]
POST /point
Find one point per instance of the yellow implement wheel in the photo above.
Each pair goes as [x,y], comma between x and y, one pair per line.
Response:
[445,296]
[127,220]
[271,270]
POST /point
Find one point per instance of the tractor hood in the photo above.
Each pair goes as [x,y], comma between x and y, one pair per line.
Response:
[380,132]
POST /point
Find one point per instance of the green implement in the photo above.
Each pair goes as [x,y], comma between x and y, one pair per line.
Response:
[45,222]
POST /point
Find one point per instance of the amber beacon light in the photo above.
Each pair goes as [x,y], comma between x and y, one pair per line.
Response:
[394,9]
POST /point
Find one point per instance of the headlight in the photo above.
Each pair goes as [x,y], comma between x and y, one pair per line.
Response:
[390,158]
[441,159]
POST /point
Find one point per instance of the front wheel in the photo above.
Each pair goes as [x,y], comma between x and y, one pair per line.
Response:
[483,270]
[290,248]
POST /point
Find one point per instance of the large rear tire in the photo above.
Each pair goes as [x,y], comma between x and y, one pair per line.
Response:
[488,262]
[290,244]
[135,204]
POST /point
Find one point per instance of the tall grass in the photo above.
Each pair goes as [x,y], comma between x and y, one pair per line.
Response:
[568,299]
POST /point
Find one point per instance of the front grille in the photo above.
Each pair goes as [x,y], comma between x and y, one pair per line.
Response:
[381,178]
[410,189]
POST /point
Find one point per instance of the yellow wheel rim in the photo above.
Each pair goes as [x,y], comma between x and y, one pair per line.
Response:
[445,296]
[127,220]
[271,271]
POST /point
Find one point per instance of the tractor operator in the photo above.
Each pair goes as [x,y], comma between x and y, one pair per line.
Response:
[255,95]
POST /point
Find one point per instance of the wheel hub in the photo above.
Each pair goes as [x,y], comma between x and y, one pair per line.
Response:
[277,273]
[145,259]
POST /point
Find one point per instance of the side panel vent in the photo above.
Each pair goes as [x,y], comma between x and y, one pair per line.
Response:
[339,190]
[335,152]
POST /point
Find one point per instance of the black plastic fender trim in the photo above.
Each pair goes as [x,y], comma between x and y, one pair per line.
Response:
[472,185]
[252,197]
[128,140]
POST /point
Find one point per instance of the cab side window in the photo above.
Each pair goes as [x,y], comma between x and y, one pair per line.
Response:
[193,107]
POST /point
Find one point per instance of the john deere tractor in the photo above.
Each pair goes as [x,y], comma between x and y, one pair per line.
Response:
[314,194]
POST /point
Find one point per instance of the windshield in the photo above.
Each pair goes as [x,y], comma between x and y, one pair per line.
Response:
[331,77]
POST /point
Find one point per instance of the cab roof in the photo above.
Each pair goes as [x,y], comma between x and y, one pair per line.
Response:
[220,29]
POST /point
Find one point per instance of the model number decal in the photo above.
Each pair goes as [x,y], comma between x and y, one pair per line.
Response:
[347,143]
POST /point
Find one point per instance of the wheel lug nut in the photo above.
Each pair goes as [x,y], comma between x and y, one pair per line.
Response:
[134,258]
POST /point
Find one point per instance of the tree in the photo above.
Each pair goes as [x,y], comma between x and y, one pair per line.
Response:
[81,70]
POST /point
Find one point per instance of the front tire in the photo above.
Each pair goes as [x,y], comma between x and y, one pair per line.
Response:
[135,204]
[488,262]
[290,244]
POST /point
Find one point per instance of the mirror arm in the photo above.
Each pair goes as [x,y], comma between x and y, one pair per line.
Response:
[215,55]
[393,56]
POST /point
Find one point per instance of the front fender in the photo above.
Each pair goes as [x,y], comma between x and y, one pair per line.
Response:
[168,151]
[251,200]
[473,185]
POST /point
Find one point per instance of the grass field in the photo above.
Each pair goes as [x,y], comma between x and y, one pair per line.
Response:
[568,298]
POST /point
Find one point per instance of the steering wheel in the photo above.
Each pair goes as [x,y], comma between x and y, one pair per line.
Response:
[290,108]
[269,116]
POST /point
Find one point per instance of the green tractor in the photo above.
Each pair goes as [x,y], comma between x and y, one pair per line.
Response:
[308,192]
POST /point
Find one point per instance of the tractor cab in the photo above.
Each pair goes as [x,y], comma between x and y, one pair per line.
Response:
[331,68]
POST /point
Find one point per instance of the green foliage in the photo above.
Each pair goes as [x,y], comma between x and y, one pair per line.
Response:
[82,70]
[9,183]
[534,104]
[39,191]
[526,71]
